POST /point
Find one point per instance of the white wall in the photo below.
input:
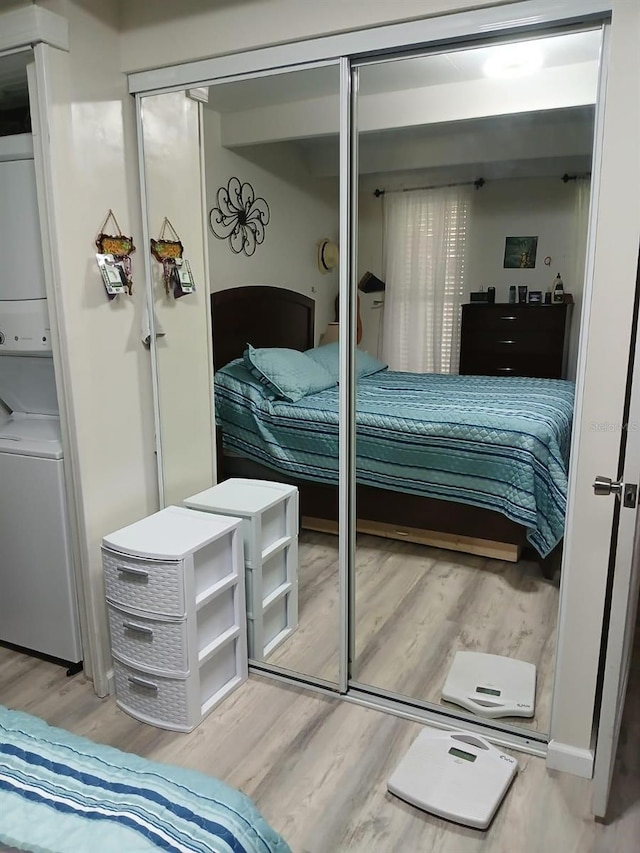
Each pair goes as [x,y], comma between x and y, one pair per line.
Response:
[560,87]
[538,207]
[303,210]
[174,31]
[171,132]
[105,370]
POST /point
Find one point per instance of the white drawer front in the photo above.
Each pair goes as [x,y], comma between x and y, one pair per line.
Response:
[144,584]
[149,642]
[154,699]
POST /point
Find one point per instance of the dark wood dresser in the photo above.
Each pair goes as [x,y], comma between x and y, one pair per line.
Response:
[502,339]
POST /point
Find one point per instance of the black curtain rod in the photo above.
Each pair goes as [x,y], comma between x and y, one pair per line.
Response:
[566,178]
[480,182]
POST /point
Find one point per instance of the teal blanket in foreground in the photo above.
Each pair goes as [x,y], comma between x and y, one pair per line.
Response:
[60,793]
[501,443]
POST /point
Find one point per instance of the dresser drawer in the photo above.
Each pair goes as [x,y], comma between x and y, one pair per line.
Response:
[503,318]
[153,643]
[542,366]
[154,586]
[520,341]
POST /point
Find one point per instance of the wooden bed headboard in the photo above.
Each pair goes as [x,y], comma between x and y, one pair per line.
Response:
[261,316]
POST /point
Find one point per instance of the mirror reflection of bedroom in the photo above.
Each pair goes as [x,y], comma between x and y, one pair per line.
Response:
[472,200]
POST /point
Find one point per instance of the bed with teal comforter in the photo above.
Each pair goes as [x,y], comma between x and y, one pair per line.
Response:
[60,793]
[501,443]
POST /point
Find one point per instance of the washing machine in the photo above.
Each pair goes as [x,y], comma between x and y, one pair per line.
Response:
[38,605]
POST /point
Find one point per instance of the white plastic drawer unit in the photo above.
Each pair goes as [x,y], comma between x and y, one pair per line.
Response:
[176,600]
[269,512]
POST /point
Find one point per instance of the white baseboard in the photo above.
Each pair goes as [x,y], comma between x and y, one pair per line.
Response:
[570,759]
[111,681]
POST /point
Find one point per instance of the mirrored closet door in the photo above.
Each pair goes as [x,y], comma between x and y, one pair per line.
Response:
[472,197]
[242,182]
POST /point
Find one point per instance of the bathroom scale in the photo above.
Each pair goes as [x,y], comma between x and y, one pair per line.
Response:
[491,685]
[455,775]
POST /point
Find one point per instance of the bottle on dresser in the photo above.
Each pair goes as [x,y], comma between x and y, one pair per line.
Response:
[558,290]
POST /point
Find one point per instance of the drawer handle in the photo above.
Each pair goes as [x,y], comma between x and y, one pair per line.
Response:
[508,317]
[141,682]
[129,570]
[506,342]
[140,629]
[506,369]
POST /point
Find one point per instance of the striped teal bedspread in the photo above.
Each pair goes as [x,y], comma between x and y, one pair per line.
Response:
[496,442]
[63,794]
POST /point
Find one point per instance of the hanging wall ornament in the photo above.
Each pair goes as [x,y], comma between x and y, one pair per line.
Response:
[119,247]
[168,252]
[239,217]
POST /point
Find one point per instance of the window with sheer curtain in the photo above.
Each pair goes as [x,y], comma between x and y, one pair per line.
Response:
[425,246]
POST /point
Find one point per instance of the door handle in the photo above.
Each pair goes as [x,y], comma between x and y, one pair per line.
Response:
[628,492]
[605,486]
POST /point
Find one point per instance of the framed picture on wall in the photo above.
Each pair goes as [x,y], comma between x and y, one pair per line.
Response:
[520,252]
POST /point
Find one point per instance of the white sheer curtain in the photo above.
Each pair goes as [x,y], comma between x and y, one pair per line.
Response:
[425,246]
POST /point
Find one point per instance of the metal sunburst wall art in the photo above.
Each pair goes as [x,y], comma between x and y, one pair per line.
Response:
[240,217]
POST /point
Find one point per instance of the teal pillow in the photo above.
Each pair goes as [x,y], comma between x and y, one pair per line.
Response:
[329,357]
[288,373]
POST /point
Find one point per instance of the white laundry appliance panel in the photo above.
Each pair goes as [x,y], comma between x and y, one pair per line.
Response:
[22,274]
[24,327]
[38,606]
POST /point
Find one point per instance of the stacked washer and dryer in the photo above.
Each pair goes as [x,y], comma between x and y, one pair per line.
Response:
[38,607]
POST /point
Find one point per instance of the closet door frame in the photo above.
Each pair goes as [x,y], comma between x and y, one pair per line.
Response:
[429,34]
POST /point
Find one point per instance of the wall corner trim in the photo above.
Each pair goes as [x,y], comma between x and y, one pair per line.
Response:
[570,759]
[33,25]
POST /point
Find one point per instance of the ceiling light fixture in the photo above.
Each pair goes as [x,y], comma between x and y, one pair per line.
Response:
[513,61]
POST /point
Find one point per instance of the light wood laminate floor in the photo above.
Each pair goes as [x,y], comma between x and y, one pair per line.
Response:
[417,606]
[317,768]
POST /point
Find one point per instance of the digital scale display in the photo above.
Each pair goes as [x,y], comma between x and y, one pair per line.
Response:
[488,691]
[459,753]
